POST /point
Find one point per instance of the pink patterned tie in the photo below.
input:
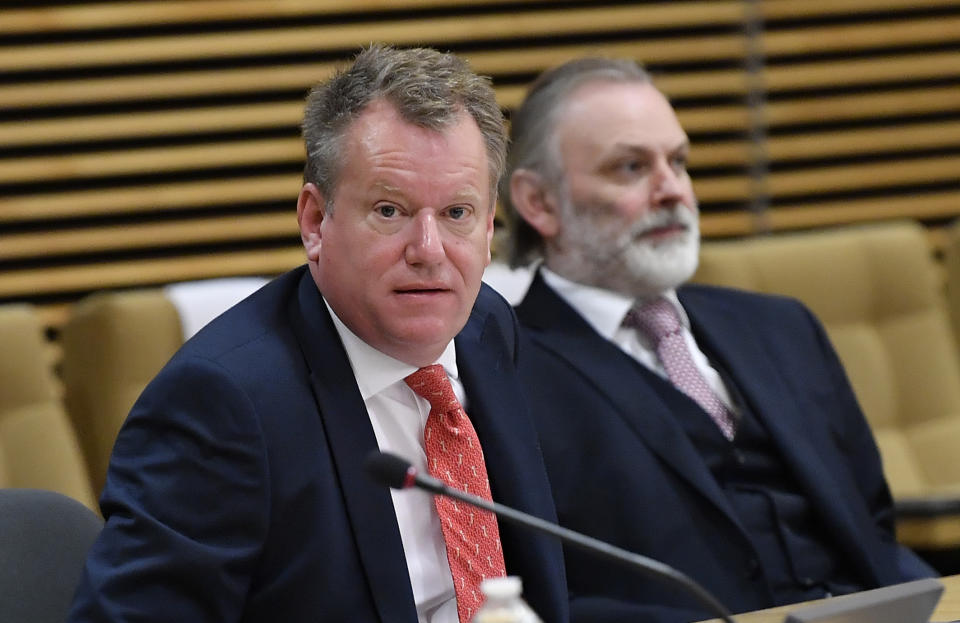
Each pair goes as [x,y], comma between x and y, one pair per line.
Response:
[454,456]
[660,321]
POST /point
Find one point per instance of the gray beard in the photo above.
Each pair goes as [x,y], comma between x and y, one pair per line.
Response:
[605,255]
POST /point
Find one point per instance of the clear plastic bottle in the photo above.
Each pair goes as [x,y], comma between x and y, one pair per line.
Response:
[502,602]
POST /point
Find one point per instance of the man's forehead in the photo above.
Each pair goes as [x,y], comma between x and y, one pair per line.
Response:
[613,93]
[634,114]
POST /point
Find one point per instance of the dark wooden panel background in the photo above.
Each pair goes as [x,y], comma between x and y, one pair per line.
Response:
[149,142]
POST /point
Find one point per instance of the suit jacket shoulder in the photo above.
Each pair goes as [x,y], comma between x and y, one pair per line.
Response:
[493,314]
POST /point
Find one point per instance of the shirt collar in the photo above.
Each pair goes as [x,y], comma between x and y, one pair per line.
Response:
[375,370]
[603,309]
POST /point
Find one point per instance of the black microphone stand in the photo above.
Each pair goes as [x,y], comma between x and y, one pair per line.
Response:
[398,473]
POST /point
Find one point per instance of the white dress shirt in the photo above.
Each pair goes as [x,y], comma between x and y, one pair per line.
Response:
[605,310]
[398,416]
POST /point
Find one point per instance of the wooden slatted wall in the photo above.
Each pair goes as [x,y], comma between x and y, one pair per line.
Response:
[148,142]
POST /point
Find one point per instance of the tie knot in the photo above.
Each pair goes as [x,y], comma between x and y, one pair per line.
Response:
[657,318]
[432,384]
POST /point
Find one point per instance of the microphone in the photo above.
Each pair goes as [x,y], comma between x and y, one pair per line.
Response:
[397,473]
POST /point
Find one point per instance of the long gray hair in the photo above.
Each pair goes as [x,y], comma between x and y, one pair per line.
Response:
[533,135]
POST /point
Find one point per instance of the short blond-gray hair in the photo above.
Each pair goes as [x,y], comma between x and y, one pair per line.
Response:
[430,89]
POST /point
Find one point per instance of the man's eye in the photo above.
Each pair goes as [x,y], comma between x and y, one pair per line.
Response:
[457,213]
[387,211]
[632,166]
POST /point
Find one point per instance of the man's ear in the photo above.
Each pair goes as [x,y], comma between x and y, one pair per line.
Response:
[535,202]
[491,222]
[311,210]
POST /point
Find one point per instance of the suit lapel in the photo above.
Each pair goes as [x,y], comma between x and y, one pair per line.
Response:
[512,455]
[507,437]
[559,328]
[760,380]
[351,438]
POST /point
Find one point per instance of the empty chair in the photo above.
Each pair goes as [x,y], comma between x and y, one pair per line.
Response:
[38,447]
[114,343]
[44,538]
[877,290]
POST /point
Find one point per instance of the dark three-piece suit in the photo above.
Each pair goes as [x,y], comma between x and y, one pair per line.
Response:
[236,490]
[796,507]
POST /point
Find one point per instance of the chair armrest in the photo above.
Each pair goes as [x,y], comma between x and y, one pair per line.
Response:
[928,523]
[926,507]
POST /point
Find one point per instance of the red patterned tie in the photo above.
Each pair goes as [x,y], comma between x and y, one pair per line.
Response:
[660,321]
[454,456]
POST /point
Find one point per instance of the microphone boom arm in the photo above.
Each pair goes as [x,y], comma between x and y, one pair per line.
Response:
[648,566]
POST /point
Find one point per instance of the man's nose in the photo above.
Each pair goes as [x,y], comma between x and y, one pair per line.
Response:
[667,186]
[425,245]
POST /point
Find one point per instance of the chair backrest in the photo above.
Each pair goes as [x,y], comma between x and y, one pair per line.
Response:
[878,293]
[115,342]
[44,538]
[951,265]
[38,447]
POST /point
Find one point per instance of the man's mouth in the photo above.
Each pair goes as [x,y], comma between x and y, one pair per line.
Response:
[420,289]
[660,231]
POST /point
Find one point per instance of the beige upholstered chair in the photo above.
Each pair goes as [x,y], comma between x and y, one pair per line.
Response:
[115,342]
[877,290]
[38,448]
[951,265]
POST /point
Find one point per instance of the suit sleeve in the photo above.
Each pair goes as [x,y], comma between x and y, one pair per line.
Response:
[856,438]
[185,505]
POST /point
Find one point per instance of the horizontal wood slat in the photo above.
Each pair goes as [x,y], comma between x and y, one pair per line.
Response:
[778,9]
[871,175]
[150,124]
[213,230]
[858,37]
[858,71]
[150,160]
[437,31]
[873,105]
[148,198]
[130,273]
[933,205]
[126,14]
[836,143]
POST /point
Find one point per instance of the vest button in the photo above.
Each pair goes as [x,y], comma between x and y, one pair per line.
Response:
[739,457]
[753,569]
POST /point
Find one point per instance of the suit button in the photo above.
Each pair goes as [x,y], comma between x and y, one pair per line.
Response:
[753,569]
[807,582]
[739,457]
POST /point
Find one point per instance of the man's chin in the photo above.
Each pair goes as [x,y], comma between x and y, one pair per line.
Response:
[427,330]
[662,269]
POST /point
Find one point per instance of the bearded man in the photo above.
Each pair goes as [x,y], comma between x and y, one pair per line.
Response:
[712,429]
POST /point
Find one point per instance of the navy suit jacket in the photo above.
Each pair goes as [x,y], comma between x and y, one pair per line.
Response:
[236,489]
[623,469]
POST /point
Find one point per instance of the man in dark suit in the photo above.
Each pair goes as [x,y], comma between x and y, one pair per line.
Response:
[236,490]
[711,429]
